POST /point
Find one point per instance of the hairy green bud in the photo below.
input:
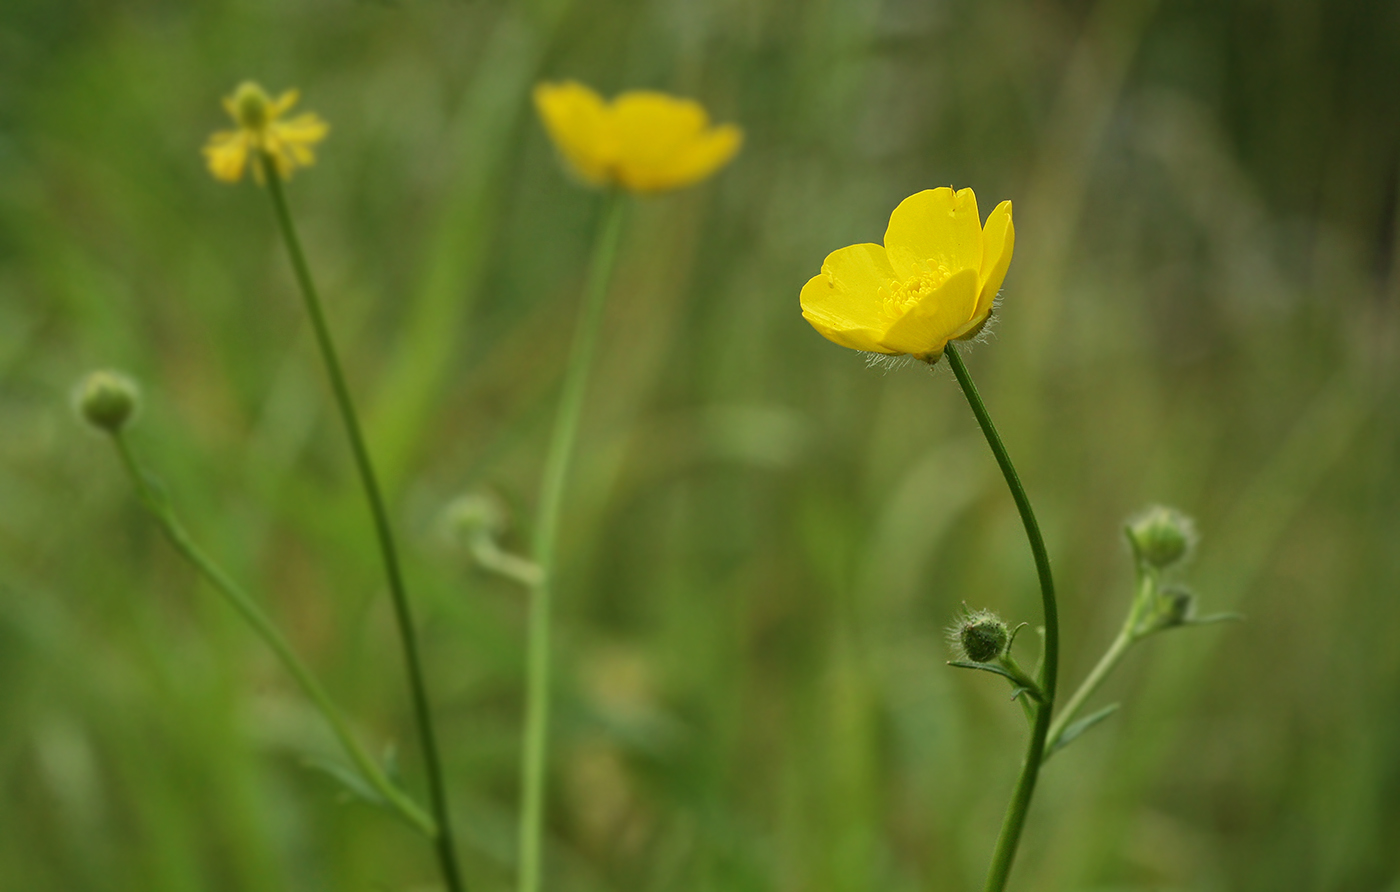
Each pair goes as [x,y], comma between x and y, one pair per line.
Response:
[981,636]
[1161,537]
[107,400]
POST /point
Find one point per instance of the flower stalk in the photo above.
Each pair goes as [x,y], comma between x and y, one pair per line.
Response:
[155,501]
[1127,636]
[443,838]
[1014,822]
[556,473]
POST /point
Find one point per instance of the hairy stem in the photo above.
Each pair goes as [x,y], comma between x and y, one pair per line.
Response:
[556,472]
[1015,820]
[443,840]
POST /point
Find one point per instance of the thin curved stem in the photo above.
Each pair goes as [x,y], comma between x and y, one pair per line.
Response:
[556,473]
[443,841]
[1015,820]
[1126,637]
[247,608]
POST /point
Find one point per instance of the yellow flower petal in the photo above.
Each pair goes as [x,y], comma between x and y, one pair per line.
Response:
[998,240]
[575,117]
[643,140]
[688,164]
[843,303]
[306,129]
[664,142]
[935,228]
[926,327]
[227,154]
[284,103]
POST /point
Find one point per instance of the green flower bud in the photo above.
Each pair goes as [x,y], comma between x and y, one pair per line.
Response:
[107,400]
[1161,536]
[251,106]
[476,514]
[980,636]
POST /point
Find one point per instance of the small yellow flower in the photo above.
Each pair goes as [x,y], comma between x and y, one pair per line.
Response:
[643,141]
[260,129]
[933,280]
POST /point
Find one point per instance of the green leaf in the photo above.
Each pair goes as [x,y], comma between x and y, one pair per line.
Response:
[1214,618]
[1079,727]
[350,780]
[1017,682]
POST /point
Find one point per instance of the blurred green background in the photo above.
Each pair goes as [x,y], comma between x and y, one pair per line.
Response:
[764,539]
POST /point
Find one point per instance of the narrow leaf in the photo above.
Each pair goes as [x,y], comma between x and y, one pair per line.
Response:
[1079,727]
[1214,618]
[1017,682]
[350,780]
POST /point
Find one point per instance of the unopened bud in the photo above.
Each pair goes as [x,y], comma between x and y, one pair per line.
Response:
[107,400]
[1173,606]
[476,513]
[981,636]
[1161,536]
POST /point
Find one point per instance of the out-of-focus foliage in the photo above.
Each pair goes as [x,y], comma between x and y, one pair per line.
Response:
[765,539]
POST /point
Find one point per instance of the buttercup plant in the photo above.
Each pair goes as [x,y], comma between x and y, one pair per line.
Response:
[107,401]
[933,282]
[642,142]
[273,147]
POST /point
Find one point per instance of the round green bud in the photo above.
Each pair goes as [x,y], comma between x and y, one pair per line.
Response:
[982,636]
[251,106]
[1161,536]
[107,400]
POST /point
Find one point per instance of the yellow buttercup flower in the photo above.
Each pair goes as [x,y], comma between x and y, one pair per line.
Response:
[261,129]
[933,280]
[643,141]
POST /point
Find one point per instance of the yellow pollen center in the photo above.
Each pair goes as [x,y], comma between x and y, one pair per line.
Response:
[899,297]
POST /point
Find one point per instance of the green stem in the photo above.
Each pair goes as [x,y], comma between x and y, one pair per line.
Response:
[1126,637]
[246,607]
[443,841]
[1015,820]
[556,472]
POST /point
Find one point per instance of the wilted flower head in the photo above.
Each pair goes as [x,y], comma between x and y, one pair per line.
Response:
[261,129]
[934,279]
[642,141]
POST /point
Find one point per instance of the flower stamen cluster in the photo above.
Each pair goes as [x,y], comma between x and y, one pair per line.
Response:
[898,298]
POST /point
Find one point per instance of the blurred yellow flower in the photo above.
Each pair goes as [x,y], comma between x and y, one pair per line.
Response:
[643,141]
[260,129]
[933,280]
